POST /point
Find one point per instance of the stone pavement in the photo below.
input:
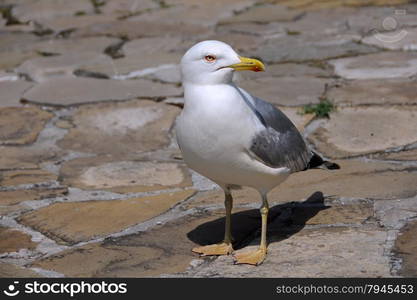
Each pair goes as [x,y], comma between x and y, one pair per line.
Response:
[92,182]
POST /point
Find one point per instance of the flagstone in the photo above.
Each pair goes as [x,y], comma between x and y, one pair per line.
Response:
[20,126]
[74,222]
[358,131]
[120,128]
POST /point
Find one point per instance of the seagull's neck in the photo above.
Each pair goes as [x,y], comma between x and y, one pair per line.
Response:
[206,94]
[190,89]
[192,85]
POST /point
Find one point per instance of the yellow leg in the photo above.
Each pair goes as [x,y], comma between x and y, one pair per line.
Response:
[225,247]
[256,257]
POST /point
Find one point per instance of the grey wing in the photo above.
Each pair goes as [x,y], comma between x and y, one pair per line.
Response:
[280,144]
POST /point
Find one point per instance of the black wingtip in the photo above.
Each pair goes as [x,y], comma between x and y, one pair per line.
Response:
[317,162]
[331,165]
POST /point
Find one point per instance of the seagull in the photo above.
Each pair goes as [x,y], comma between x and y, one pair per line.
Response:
[234,138]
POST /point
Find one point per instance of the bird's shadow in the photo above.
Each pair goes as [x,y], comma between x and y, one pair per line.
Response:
[284,220]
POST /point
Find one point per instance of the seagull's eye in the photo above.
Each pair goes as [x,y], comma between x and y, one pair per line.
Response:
[210,58]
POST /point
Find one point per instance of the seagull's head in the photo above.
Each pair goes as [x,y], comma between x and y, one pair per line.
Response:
[213,62]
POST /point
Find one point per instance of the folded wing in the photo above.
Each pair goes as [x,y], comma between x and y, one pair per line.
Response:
[280,144]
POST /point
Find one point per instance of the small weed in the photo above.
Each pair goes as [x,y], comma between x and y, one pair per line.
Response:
[321,110]
[318,64]
[80,13]
[97,4]
[162,4]
[6,13]
[293,32]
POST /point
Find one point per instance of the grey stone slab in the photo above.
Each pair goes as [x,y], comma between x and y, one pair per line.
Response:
[288,70]
[244,44]
[393,214]
[392,64]
[135,65]
[311,253]
[44,68]
[324,22]
[17,41]
[405,155]
[119,129]
[197,13]
[16,47]
[266,30]
[264,13]
[170,74]
[71,22]
[156,44]
[125,176]
[132,29]
[38,10]
[369,20]
[287,91]
[61,46]
[374,92]
[401,39]
[70,91]
[358,131]
[124,8]
[300,48]
[12,91]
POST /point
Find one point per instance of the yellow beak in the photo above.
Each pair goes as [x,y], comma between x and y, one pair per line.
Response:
[251,64]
